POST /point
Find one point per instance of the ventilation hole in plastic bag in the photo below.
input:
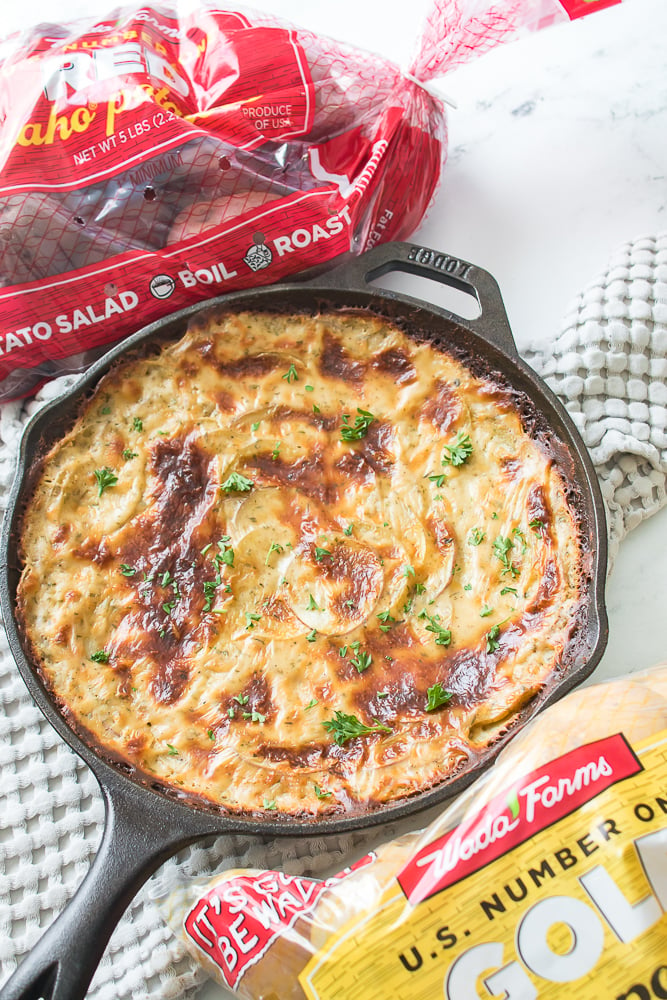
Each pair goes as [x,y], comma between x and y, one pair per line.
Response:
[150,193]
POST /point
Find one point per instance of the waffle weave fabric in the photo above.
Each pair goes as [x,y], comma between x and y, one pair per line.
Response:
[609,366]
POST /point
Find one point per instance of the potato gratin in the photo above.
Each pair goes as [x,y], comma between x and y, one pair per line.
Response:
[305,564]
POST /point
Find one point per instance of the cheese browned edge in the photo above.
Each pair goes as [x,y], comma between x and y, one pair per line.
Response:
[206,628]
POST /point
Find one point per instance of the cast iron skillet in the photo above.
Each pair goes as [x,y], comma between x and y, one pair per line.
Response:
[145,825]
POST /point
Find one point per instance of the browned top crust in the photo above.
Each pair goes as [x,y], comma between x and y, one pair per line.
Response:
[305,564]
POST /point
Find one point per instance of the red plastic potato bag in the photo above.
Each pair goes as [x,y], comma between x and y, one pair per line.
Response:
[156,158]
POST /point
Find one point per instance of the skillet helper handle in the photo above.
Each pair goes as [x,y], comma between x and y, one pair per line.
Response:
[411,258]
[64,960]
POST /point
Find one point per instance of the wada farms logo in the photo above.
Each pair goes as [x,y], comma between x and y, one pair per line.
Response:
[540,799]
[258,256]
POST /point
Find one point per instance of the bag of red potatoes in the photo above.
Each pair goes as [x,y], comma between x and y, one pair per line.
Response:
[156,158]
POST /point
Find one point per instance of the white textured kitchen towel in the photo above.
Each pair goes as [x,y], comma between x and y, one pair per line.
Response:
[609,366]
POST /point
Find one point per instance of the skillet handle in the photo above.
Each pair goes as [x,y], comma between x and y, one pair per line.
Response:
[356,272]
[64,960]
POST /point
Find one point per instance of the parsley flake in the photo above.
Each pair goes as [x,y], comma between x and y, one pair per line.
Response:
[236,483]
[443,636]
[251,619]
[476,536]
[127,570]
[320,553]
[437,696]
[361,425]
[101,656]
[501,548]
[345,727]
[274,547]
[291,375]
[137,424]
[312,635]
[311,704]
[128,454]
[312,604]
[386,619]
[105,478]
[492,639]
[320,794]
[172,751]
[361,661]
[459,452]
[486,611]
[348,531]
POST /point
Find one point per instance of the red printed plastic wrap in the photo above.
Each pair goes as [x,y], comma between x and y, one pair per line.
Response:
[155,158]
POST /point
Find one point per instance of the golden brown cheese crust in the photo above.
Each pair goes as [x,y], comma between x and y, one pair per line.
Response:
[215,578]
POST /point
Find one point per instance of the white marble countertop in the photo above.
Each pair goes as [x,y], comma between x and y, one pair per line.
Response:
[557,155]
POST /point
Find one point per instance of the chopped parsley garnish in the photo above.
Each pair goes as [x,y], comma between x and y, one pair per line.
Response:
[128,454]
[236,483]
[309,388]
[276,450]
[347,531]
[316,408]
[361,661]
[211,734]
[312,635]
[439,480]
[255,426]
[251,619]
[320,794]
[459,452]
[342,650]
[173,752]
[269,804]
[520,535]
[386,619]
[537,525]
[476,536]
[509,590]
[127,570]
[312,604]
[105,478]
[137,424]
[437,696]
[361,425]
[501,548]
[241,698]
[420,588]
[408,570]
[345,727]
[486,611]
[320,553]
[443,636]
[168,607]
[225,556]
[101,656]
[492,639]
[311,704]
[468,586]
[291,375]
[255,716]
[274,547]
